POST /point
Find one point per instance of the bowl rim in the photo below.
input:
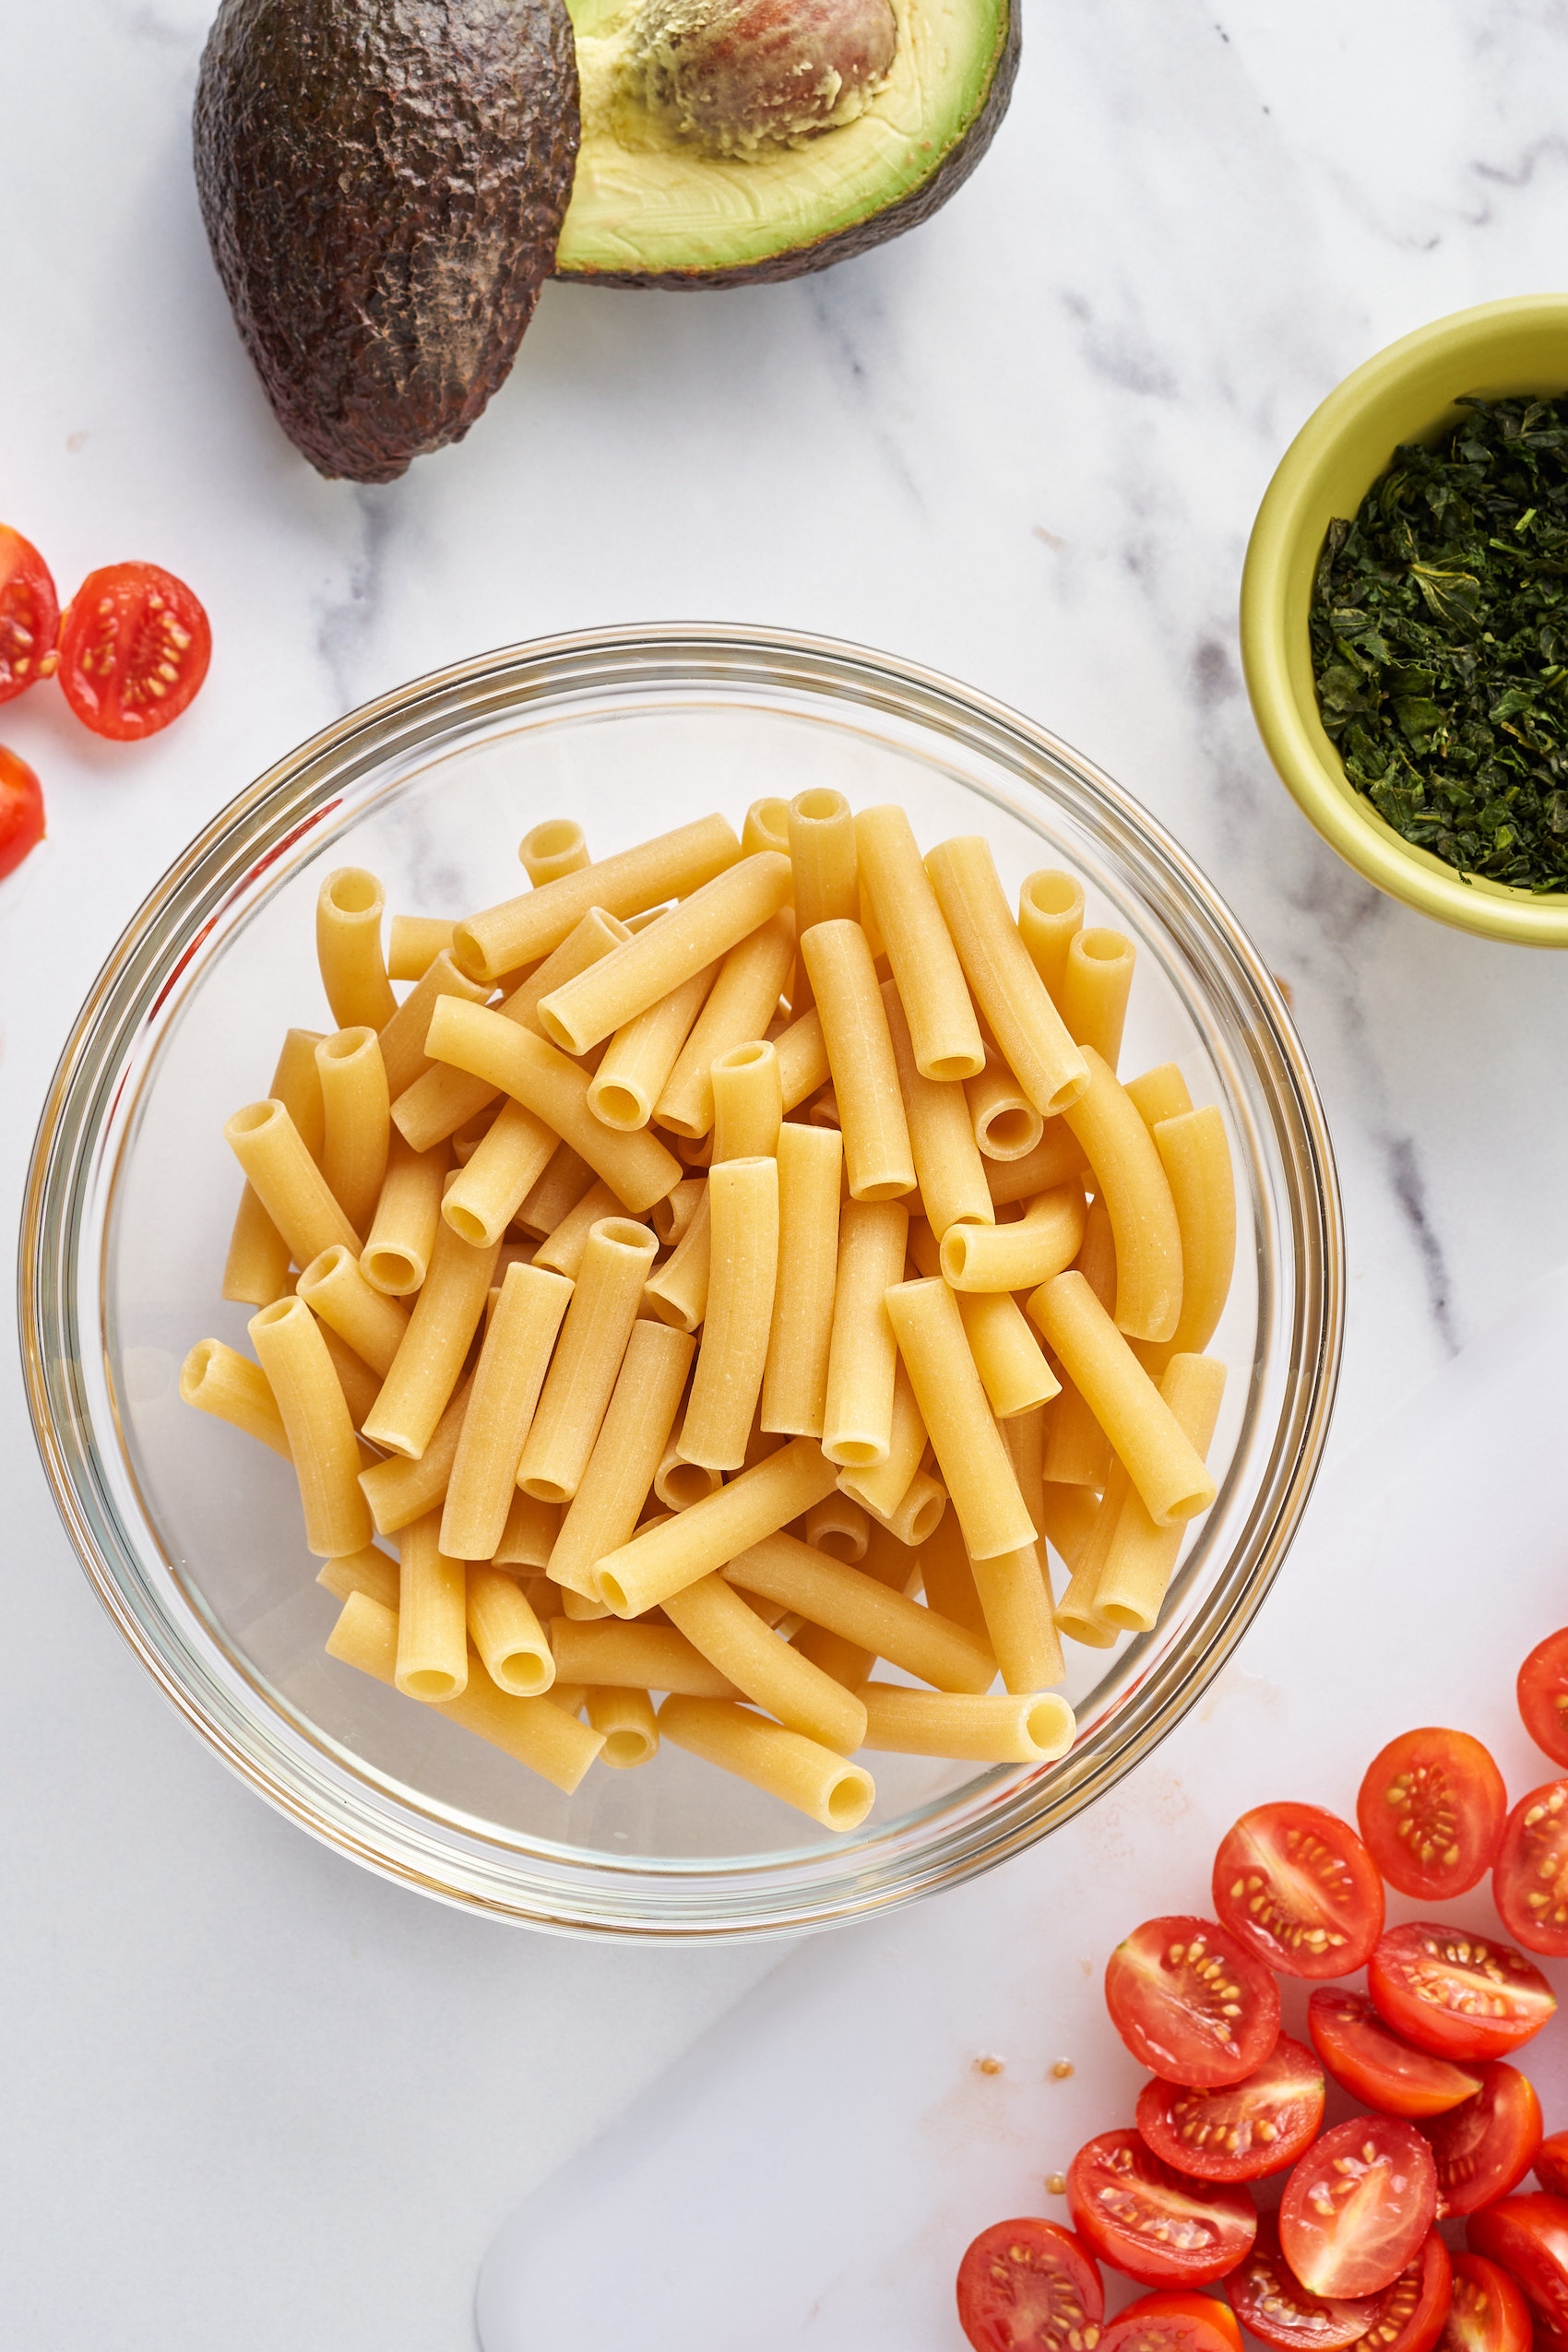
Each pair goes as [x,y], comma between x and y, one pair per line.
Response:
[1302,753]
[139,973]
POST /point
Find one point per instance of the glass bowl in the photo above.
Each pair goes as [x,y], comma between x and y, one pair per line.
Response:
[192,1533]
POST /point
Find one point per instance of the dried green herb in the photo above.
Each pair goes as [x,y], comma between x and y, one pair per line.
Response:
[1439,643]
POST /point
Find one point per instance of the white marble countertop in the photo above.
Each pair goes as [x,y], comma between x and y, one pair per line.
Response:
[1024,444]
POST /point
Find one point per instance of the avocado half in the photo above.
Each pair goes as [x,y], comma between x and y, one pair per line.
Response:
[650,209]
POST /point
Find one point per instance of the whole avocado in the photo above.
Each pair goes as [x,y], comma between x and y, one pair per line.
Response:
[383,183]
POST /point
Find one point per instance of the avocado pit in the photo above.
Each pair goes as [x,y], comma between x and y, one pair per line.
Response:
[740,77]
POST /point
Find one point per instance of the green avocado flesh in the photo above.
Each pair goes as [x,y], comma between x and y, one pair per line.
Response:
[648,208]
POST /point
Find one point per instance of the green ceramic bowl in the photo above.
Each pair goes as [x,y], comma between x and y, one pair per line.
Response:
[1407,393]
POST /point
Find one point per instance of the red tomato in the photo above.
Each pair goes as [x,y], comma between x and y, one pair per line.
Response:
[1484,2148]
[1528,2235]
[1552,2163]
[1173,2320]
[1358,2206]
[1430,1808]
[1461,1995]
[1296,1886]
[1244,2129]
[134,649]
[1029,2287]
[1376,2067]
[1543,1695]
[1488,2312]
[1410,2316]
[1190,2003]
[29,615]
[1152,2223]
[21,811]
[1531,1860]
[1270,2301]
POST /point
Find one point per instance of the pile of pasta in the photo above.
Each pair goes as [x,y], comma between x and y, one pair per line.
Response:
[733,1263]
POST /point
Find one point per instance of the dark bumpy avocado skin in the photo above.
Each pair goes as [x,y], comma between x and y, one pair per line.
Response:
[383,183]
[952,170]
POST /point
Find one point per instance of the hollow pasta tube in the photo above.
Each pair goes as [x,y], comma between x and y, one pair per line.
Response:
[396,1258]
[661,1560]
[850,1602]
[743,1209]
[373,1324]
[433,1643]
[794,1386]
[399,1490]
[506,1384]
[1008,1357]
[1020,1623]
[588,1360]
[1079,1614]
[802,1059]
[257,1265]
[736,1642]
[1196,1155]
[413,943]
[1142,1556]
[1031,1728]
[767,826]
[488,1192]
[428,1362]
[347,948]
[1024,1436]
[882,1486]
[627,1456]
[848,1662]
[507,1636]
[629,1725]
[1077,1450]
[878,1157]
[969,1448]
[561,1252]
[1051,915]
[521,930]
[677,1293]
[1055,1159]
[403,1048]
[217,1380]
[286,1179]
[292,1353]
[1005,983]
[748,1102]
[838,1525]
[369,1572]
[1136,1193]
[678,1484]
[740,1005]
[529,1535]
[822,833]
[1095,986]
[920,1512]
[1161,1461]
[800,1772]
[1005,1123]
[949,1578]
[945,1034]
[858,1422]
[638,1658]
[671,1216]
[704,926]
[1047,1237]
[635,1064]
[1157,1094]
[356,1105]
[567,1180]
[553,849]
[361,1386]
[948,1168]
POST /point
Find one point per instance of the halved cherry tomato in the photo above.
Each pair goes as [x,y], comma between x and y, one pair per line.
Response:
[1461,1995]
[1552,2163]
[21,811]
[1430,1809]
[1484,2148]
[1528,2235]
[1029,2287]
[1244,2129]
[1296,1886]
[1173,2318]
[1376,2067]
[1409,2316]
[29,615]
[1270,2300]
[1529,1883]
[1358,2206]
[134,649]
[1190,2003]
[1488,2312]
[1543,1695]
[1153,2223]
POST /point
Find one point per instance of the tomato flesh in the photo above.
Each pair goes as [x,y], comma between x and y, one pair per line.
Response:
[1552,2163]
[29,615]
[134,649]
[1487,2314]
[1030,2286]
[1244,2129]
[1152,2222]
[1358,2206]
[1190,2003]
[1529,1883]
[1296,1886]
[21,811]
[1411,2315]
[1528,2237]
[1457,1994]
[1269,2300]
[1484,2147]
[1376,2067]
[1543,1695]
[1430,1809]
[1173,2318]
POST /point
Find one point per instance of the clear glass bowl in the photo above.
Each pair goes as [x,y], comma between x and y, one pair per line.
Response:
[192,1534]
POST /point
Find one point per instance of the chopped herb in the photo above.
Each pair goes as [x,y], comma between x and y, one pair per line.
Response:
[1440,639]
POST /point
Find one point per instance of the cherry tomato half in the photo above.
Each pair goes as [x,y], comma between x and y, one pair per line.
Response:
[1358,2206]
[1529,2236]
[1376,2067]
[1244,2129]
[1190,2003]
[1154,2224]
[1269,2300]
[1029,2287]
[1458,1994]
[134,649]
[1173,2318]
[29,615]
[1430,1809]
[1488,2312]
[1543,1695]
[21,811]
[1297,1887]
[1411,2315]
[1529,1883]
[1484,2148]
[1552,2163]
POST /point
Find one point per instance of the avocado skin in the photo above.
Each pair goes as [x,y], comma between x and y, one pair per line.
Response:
[383,183]
[876,229]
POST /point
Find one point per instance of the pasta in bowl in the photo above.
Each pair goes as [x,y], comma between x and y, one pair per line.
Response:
[598,1529]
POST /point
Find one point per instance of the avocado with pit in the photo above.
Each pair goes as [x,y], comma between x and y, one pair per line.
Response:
[733,142]
[383,183]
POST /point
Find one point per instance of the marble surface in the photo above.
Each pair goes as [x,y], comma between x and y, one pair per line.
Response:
[1024,444]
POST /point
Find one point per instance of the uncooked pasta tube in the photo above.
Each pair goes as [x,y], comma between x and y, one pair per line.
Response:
[1160,1460]
[315,1420]
[794,1386]
[626,1455]
[858,1424]
[823,852]
[1078,1613]
[629,1725]
[748,1102]
[543,1735]
[949,1579]
[588,1360]
[837,1526]
[767,827]
[848,1601]
[373,1324]
[399,1491]
[660,1560]
[973,1459]
[504,1169]
[1196,1155]
[1005,1123]
[355,1103]
[639,1059]
[736,1642]
[942,1024]
[849,1664]
[561,1252]
[1008,1357]
[1005,985]
[564,1184]
[882,1486]
[396,1258]
[553,849]
[521,930]
[1136,1192]
[1005,1258]
[257,1265]
[639,1657]
[798,1771]
[1095,986]
[802,1059]
[368,1572]
[403,1039]
[949,1166]
[507,1636]
[678,1292]
[1055,1159]
[1024,1436]
[361,1386]
[433,1643]
[286,1179]
[1157,1094]
[347,948]
[920,1512]
[1034,1728]
[671,1216]
[1077,1450]
[217,1380]
[1020,1623]
[703,927]
[426,1368]
[740,1005]
[506,1385]
[860,1054]
[576,1607]
[413,943]
[1051,915]
[529,1535]
[1141,1556]
[744,1210]
[678,1484]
